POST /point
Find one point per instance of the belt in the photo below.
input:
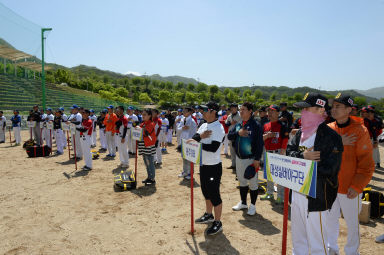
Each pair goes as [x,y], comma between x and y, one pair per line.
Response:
[273,151]
[82,136]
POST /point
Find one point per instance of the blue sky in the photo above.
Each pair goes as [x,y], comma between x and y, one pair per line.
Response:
[332,44]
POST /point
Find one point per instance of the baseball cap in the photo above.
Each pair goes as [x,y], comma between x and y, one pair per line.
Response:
[355,106]
[110,107]
[283,104]
[210,106]
[365,109]
[130,108]
[233,105]
[104,111]
[49,109]
[162,113]
[61,109]
[371,108]
[74,107]
[180,110]
[274,107]
[312,99]
[250,172]
[91,110]
[262,109]
[344,99]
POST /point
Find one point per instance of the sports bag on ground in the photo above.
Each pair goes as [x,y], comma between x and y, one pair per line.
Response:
[377,202]
[38,151]
[125,180]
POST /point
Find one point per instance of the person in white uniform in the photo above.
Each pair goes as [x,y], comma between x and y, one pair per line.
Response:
[93,117]
[16,125]
[133,120]
[318,142]
[163,132]
[178,121]
[3,124]
[76,118]
[47,133]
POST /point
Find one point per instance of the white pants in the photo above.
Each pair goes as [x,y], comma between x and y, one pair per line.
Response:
[111,138]
[16,132]
[351,209]
[131,142]
[226,141]
[162,137]
[241,165]
[103,139]
[2,135]
[123,150]
[308,229]
[376,155]
[158,155]
[47,136]
[64,139]
[59,140]
[178,133]
[94,137]
[169,136]
[76,140]
[85,142]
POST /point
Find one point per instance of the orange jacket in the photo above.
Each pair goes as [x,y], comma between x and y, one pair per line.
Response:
[110,121]
[357,164]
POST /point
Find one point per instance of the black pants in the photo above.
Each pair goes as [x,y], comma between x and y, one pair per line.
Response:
[210,177]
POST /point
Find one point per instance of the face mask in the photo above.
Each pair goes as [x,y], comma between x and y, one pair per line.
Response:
[309,123]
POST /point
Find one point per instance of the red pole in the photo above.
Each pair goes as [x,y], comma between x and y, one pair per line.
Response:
[30,131]
[285,222]
[10,136]
[69,149]
[136,163]
[74,146]
[192,221]
[50,137]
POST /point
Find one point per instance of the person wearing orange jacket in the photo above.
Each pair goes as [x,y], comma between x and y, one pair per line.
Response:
[356,171]
[110,130]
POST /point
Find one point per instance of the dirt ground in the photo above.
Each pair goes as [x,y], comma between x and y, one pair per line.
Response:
[43,212]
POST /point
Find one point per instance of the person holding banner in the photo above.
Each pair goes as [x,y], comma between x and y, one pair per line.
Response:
[146,147]
[109,122]
[60,142]
[357,167]
[275,141]
[86,129]
[36,116]
[122,141]
[315,141]
[188,128]
[211,135]
[247,141]
[16,125]
[3,121]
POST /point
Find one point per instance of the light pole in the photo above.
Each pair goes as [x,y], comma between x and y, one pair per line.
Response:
[42,64]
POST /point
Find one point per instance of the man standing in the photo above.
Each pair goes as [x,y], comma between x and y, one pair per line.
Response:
[58,132]
[232,120]
[275,135]
[377,128]
[16,125]
[158,123]
[3,121]
[247,141]
[76,119]
[94,121]
[36,116]
[317,142]
[178,121]
[100,123]
[85,138]
[132,122]
[356,171]
[47,133]
[110,123]
[187,128]
[211,135]
[163,132]
[121,132]
[171,119]
[285,116]
[222,119]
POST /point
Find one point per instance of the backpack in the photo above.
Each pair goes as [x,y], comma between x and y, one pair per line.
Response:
[125,181]
[377,202]
[38,151]
[29,143]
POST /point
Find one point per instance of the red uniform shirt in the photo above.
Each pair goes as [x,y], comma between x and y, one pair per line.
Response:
[222,120]
[121,124]
[87,124]
[280,140]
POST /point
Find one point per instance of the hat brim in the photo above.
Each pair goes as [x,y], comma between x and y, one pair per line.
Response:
[302,105]
[341,102]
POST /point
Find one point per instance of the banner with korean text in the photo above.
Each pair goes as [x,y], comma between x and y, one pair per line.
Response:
[294,173]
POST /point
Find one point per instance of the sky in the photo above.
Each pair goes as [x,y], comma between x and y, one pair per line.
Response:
[327,44]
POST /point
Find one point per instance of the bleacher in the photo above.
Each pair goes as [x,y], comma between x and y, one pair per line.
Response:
[22,94]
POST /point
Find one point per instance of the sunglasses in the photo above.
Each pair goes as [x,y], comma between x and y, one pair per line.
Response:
[206,109]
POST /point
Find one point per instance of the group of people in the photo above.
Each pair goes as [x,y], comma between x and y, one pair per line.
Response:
[330,132]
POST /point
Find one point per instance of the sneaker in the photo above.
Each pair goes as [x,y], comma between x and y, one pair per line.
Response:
[332,252]
[231,167]
[206,218]
[182,174]
[108,155]
[86,168]
[239,206]
[378,165]
[251,210]
[279,201]
[150,182]
[188,177]
[145,181]
[267,197]
[216,227]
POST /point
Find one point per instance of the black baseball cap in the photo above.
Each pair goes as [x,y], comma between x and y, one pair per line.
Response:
[274,107]
[312,99]
[210,105]
[233,105]
[344,99]
[283,104]
[262,109]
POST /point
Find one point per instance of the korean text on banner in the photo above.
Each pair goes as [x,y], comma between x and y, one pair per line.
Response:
[191,151]
[294,173]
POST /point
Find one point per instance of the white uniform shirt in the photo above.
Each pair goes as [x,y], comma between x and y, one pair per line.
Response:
[164,124]
[3,120]
[178,117]
[198,116]
[218,133]
[188,133]
[131,119]
[76,117]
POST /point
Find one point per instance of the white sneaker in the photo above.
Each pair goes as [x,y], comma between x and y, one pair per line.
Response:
[239,206]
[182,174]
[251,210]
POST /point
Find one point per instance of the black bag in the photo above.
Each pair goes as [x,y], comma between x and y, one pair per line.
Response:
[125,181]
[377,202]
[29,143]
[38,151]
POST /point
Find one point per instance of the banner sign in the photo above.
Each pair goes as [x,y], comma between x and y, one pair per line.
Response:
[31,124]
[191,151]
[137,133]
[294,173]
[8,123]
[65,126]
[73,128]
[50,125]
[42,124]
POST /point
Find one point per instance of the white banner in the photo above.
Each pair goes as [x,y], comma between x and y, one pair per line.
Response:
[191,151]
[31,124]
[50,125]
[8,123]
[65,126]
[137,133]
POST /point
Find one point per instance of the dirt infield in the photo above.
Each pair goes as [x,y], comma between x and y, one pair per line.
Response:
[43,212]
